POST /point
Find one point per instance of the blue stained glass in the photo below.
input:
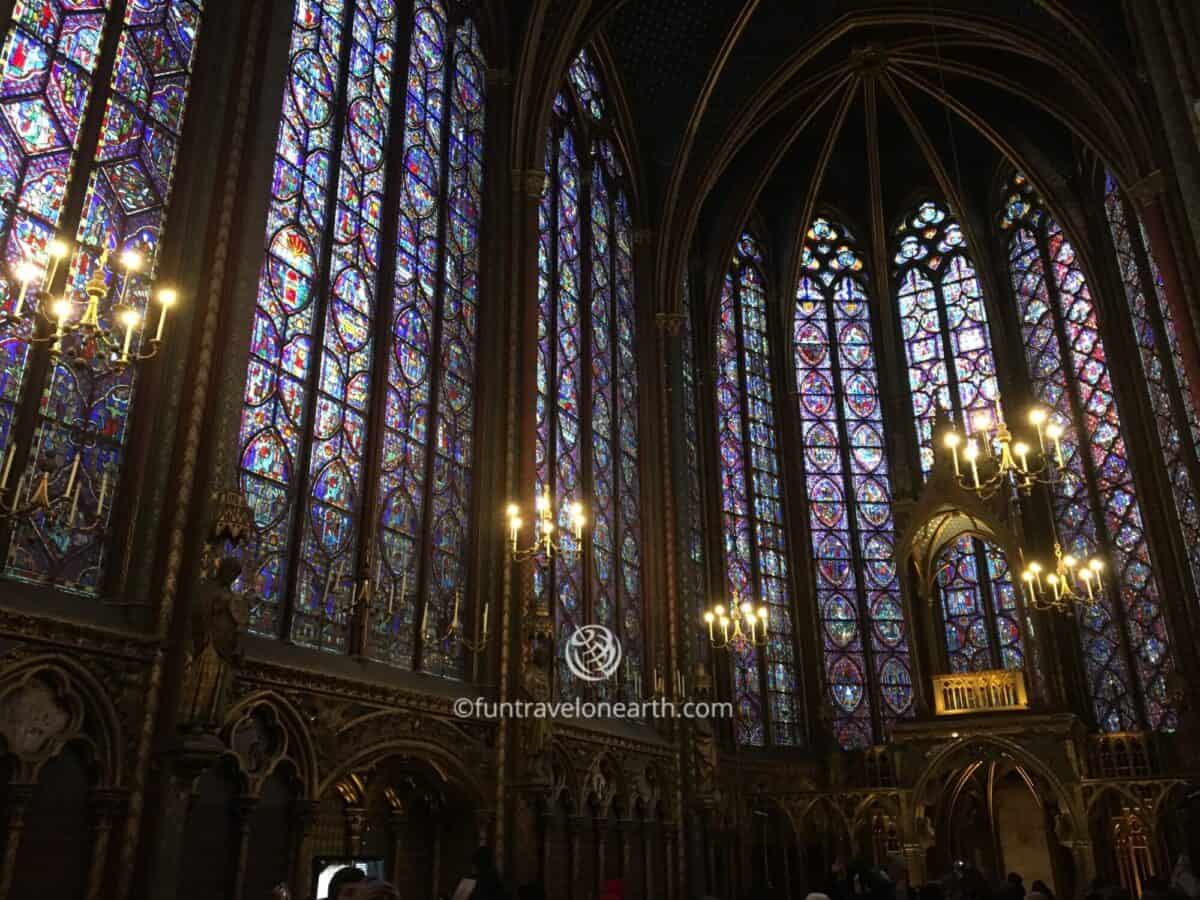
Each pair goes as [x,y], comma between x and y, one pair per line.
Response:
[1069,367]
[587,434]
[951,367]
[755,553]
[124,207]
[840,414]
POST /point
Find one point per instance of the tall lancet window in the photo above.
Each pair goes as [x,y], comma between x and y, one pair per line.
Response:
[951,367]
[1162,365]
[756,564]
[357,426]
[868,681]
[587,428]
[65,63]
[1125,640]
[694,578]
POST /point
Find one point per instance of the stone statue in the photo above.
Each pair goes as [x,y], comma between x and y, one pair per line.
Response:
[217,619]
[535,679]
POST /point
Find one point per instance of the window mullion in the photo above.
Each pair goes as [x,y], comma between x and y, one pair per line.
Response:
[424,574]
[302,483]
[385,311]
[852,530]
[587,189]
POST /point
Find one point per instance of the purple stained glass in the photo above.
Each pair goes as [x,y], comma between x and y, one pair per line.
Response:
[951,367]
[587,434]
[849,491]
[327,574]
[1154,330]
[49,61]
[1068,365]
[693,569]
[756,562]
[124,208]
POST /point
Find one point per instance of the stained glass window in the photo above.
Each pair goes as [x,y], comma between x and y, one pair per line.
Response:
[868,679]
[1162,365]
[587,422]
[354,519]
[951,368]
[1098,509]
[55,54]
[694,576]
[766,688]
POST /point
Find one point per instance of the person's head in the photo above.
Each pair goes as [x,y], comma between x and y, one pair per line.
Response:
[341,879]
[1039,887]
[1014,878]
[370,890]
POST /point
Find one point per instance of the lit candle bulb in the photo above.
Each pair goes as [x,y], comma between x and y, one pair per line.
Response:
[58,250]
[951,442]
[166,299]
[130,319]
[514,524]
[485,621]
[1054,432]
[61,310]
[1096,566]
[26,273]
[1028,578]
[457,600]
[577,519]
[1022,450]
[1085,575]
[1037,418]
[1052,579]
[972,453]
[1036,570]
[708,617]
[725,629]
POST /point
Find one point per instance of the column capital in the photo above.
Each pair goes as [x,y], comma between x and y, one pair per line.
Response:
[529,182]
[1149,188]
[670,322]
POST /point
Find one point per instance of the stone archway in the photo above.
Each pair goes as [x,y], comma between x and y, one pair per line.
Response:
[999,786]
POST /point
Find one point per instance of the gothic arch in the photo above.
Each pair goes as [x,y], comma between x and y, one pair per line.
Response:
[270,716]
[950,756]
[50,702]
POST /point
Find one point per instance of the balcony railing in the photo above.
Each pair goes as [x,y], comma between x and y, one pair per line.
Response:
[994,690]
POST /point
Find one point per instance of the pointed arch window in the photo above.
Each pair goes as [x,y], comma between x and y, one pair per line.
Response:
[1162,366]
[868,678]
[756,562]
[67,63]
[951,367]
[587,423]
[357,424]
[1126,648]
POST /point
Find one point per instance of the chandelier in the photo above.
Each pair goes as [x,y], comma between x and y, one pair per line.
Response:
[90,336]
[1072,582]
[545,545]
[990,458]
[749,627]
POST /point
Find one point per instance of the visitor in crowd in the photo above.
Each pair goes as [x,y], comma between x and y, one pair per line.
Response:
[342,878]
[1040,887]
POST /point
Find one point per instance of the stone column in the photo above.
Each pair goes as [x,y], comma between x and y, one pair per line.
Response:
[914,861]
[183,764]
[397,825]
[245,815]
[107,806]
[304,824]
[20,797]
[601,826]
[624,827]
[356,821]
[1085,864]
[574,826]
[649,832]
